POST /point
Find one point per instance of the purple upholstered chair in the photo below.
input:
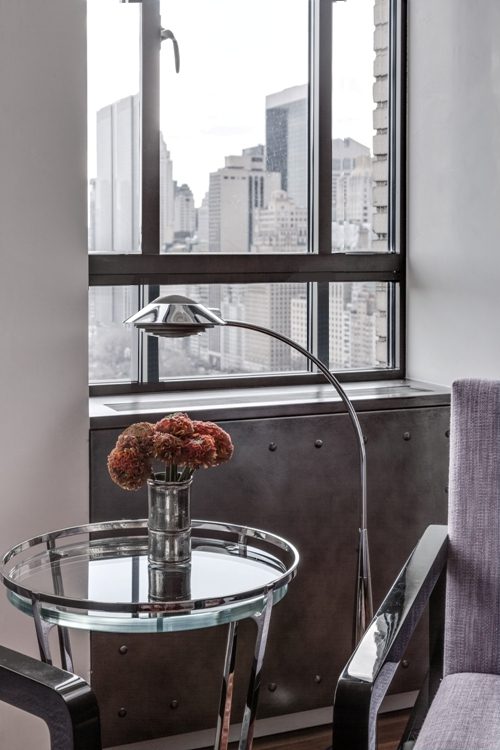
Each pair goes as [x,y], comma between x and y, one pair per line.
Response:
[463,684]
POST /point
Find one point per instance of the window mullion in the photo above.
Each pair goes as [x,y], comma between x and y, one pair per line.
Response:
[150,126]
[320,127]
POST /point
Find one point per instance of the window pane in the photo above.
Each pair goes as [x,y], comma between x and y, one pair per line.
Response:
[113,41]
[229,350]
[359,316]
[112,346]
[360,125]
[358,323]
[234,127]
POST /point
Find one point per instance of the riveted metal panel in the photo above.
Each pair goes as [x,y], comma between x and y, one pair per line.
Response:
[308,494]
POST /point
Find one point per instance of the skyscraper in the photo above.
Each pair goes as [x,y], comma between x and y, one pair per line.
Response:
[185,213]
[352,186]
[381,125]
[166,197]
[281,226]
[235,191]
[117,185]
[286,140]
[381,166]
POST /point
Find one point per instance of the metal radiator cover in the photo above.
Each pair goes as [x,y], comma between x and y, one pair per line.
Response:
[298,477]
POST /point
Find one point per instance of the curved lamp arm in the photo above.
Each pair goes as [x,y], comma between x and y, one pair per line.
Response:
[364,598]
[174,316]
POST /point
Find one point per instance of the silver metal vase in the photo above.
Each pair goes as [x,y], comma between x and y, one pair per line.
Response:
[169,522]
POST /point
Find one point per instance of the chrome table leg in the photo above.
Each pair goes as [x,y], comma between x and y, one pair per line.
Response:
[65,649]
[226,696]
[262,620]
[42,630]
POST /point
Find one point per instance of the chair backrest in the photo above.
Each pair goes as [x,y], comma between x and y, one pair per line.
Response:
[472,624]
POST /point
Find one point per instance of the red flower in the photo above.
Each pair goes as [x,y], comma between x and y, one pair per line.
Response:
[178,424]
[128,466]
[198,451]
[223,444]
[181,444]
[166,447]
[143,432]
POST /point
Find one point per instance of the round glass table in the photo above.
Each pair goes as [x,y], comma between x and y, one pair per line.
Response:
[97,577]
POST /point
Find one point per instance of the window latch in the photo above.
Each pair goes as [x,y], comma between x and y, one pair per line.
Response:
[167,34]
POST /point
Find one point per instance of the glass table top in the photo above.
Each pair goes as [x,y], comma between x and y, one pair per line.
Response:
[97,577]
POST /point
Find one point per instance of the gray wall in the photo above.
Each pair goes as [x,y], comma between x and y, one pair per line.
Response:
[43,297]
[454,189]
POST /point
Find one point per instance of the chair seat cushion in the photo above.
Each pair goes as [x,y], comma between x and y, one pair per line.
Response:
[465,714]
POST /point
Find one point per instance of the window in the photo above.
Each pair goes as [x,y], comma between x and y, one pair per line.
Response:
[265,179]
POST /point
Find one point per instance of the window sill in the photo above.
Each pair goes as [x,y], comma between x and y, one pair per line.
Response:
[251,403]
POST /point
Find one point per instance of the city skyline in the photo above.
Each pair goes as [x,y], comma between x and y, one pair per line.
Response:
[256,202]
[213,109]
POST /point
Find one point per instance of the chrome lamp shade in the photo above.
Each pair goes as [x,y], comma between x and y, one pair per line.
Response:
[174,316]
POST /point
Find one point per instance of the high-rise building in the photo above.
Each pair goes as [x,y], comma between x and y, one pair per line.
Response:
[185,212]
[281,226]
[286,140]
[345,155]
[117,185]
[235,191]
[166,197]
[381,125]
[270,305]
[202,226]
[352,186]
[381,166]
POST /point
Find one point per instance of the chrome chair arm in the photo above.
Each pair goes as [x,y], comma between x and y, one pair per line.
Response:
[369,671]
[64,701]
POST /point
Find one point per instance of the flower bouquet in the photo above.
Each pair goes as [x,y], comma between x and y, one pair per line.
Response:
[177,445]
[181,444]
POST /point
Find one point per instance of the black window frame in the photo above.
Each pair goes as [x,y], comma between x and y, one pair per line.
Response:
[318,267]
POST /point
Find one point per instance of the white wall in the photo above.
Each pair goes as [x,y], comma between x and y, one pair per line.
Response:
[43,290]
[454,189]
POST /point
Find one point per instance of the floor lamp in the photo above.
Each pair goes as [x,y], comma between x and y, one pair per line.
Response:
[175,316]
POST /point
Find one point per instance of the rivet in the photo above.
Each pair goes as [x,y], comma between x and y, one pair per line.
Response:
[318,678]
[365,439]
[272,687]
[122,713]
[406,435]
[272,446]
[405,663]
[123,650]
[174,704]
[318,443]
[447,433]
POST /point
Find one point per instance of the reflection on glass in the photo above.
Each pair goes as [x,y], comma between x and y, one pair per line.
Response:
[360,126]
[233,150]
[113,30]
[232,350]
[112,346]
[358,325]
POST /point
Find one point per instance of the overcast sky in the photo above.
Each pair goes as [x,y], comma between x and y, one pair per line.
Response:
[233,54]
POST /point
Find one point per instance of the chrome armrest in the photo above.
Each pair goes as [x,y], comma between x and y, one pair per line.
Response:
[370,669]
[64,701]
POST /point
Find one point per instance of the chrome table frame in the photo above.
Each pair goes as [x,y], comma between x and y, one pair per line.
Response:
[51,610]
